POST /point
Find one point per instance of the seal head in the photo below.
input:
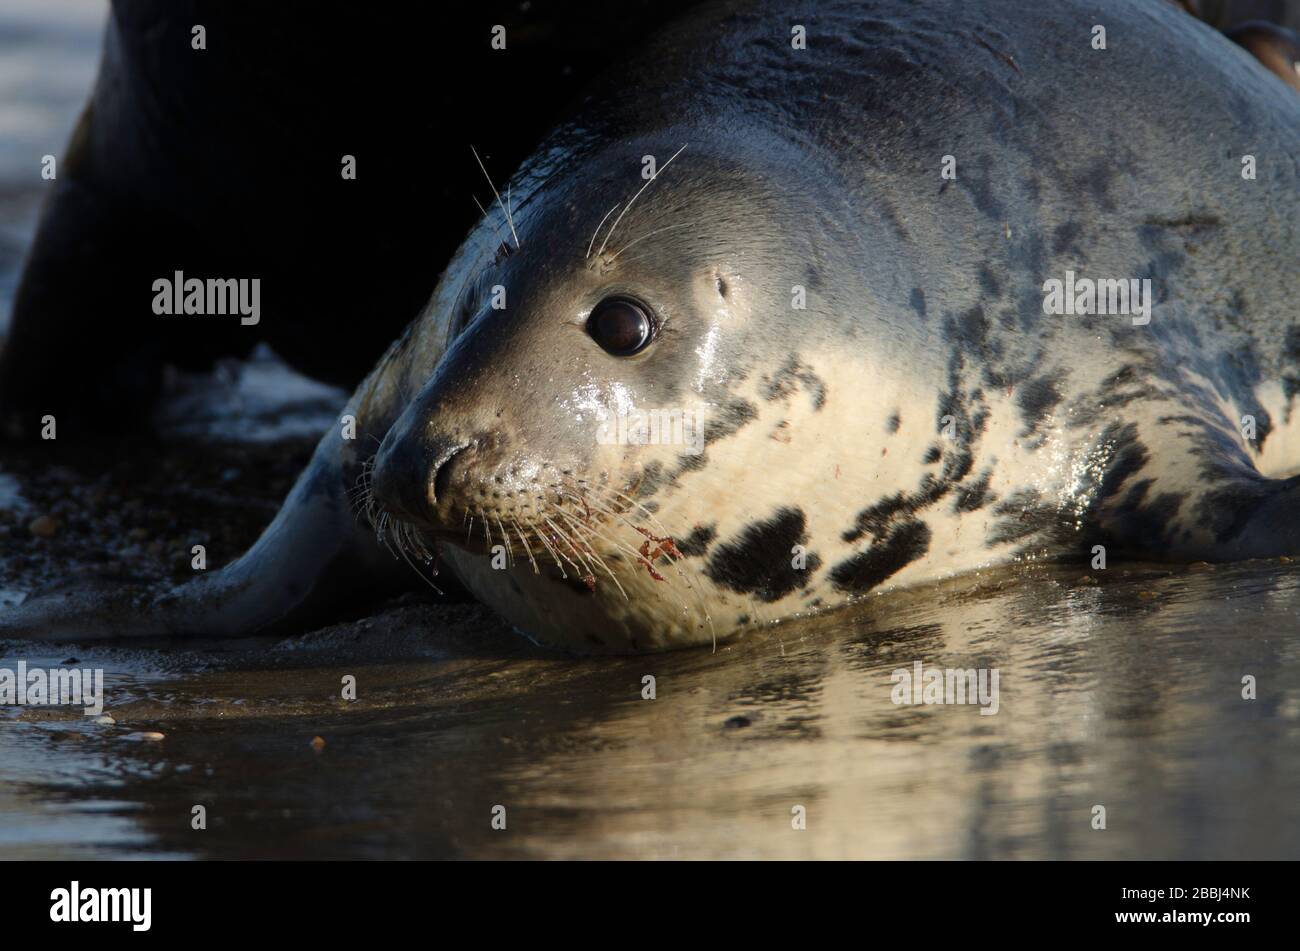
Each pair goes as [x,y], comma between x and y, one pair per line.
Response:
[595,365]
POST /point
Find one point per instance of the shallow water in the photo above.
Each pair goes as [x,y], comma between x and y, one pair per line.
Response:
[1125,693]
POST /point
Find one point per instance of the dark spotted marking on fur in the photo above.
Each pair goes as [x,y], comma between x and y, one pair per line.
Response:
[697,543]
[793,375]
[1021,516]
[903,544]
[989,282]
[1128,456]
[1097,179]
[731,417]
[758,560]
[917,302]
[1145,519]
[1036,398]
[652,476]
[690,462]
[1291,359]
[1064,238]
[894,421]
[976,179]
[973,497]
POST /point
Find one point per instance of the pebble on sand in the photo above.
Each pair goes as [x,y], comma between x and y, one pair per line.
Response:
[317,743]
[106,720]
[43,526]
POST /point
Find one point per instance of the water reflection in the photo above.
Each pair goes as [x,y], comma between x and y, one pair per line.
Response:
[1125,694]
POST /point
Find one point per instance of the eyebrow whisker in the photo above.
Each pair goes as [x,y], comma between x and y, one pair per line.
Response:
[650,235]
[599,226]
[659,172]
[504,209]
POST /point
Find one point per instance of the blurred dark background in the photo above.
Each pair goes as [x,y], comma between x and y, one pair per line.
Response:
[225,162]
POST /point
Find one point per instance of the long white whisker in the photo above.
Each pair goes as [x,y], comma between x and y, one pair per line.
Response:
[598,227]
[674,560]
[496,228]
[658,172]
[562,534]
[522,541]
[615,255]
[504,209]
[547,545]
[579,571]
[578,530]
[427,581]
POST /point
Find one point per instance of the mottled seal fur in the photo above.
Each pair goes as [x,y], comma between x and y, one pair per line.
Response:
[886,400]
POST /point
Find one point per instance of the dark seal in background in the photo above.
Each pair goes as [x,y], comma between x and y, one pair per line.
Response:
[226,162]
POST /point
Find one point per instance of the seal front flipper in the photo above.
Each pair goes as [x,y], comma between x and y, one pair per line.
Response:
[313,558]
[321,553]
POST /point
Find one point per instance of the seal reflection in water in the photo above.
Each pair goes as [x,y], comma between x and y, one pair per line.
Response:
[840,252]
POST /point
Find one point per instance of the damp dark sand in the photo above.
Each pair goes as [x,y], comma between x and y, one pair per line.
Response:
[1122,689]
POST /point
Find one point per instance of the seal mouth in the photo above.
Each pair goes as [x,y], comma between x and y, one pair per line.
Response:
[569,531]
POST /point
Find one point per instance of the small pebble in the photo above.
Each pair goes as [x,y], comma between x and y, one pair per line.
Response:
[144,737]
[106,720]
[43,526]
[317,743]
[1147,595]
[736,722]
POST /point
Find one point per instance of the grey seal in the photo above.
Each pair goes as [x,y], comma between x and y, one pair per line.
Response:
[946,286]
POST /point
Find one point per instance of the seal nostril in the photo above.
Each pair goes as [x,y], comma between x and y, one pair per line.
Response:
[442,478]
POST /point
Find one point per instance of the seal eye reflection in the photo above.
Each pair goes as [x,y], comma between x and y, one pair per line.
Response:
[622,327]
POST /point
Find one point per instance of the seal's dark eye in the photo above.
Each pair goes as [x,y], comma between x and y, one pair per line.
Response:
[621,326]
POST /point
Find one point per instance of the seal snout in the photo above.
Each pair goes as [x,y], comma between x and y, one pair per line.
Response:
[411,476]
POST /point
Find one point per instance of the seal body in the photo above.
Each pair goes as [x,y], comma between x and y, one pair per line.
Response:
[946,286]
